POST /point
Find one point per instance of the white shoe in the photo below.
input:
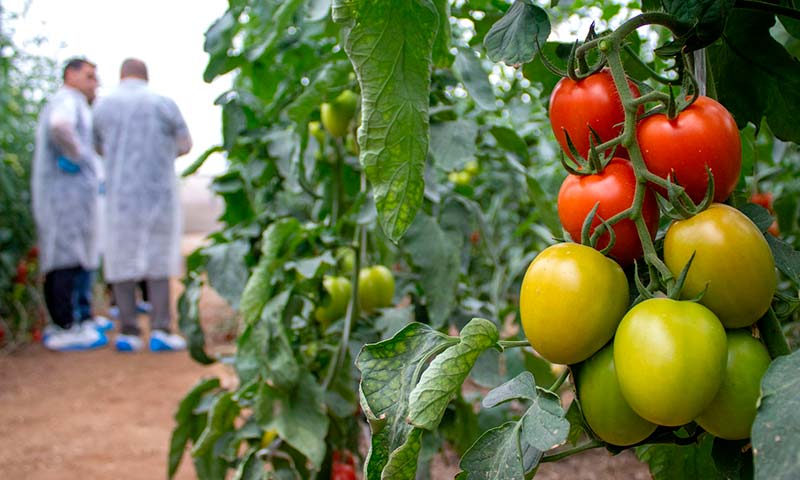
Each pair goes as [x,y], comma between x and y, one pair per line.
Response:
[100,323]
[77,338]
[166,342]
[128,343]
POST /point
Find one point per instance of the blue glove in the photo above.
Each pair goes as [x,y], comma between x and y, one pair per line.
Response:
[67,165]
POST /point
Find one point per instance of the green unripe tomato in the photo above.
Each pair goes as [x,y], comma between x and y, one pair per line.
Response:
[472,167]
[730,415]
[670,357]
[336,116]
[338,290]
[604,407]
[375,288]
[346,258]
[732,258]
[315,130]
[571,300]
[460,178]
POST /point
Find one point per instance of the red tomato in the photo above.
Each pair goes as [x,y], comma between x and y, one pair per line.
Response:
[703,134]
[341,470]
[590,102]
[614,188]
[765,200]
[22,273]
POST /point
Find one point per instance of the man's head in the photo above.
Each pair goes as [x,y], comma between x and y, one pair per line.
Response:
[133,68]
[81,74]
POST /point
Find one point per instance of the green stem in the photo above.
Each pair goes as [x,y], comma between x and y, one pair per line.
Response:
[513,343]
[560,380]
[768,7]
[630,142]
[573,451]
[650,18]
[652,73]
[772,334]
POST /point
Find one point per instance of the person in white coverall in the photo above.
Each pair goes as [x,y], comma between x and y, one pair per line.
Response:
[65,187]
[139,134]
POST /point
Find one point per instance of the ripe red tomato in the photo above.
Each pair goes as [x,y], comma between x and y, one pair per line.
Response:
[590,102]
[765,200]
[614,188]
[22,273]
[343,469]
[703,134]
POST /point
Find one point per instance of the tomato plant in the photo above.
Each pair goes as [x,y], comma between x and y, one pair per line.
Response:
[614,189]
[556,301]
[732,263]
[452,179]
[702,135]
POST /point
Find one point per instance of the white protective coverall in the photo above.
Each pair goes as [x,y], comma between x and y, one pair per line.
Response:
[66,204]
[140,134]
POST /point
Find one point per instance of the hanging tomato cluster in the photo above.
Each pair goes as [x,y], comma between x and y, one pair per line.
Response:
[682,351]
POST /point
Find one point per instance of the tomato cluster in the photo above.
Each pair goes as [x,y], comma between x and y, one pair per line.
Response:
[661,361]
[375,290]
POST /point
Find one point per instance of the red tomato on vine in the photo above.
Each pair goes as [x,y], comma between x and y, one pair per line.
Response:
[590,102]
[343,469]
[614,189]
[704,133]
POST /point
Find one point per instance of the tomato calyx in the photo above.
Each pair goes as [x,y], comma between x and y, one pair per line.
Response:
[678,205]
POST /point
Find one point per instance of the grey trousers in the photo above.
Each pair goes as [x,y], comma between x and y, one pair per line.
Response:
[158,295]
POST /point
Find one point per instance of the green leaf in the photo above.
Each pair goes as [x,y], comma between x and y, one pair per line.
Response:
[226,269]
[544,426]
[509,140]
[521,387]
[443,378]
[787,259]
[195,166]
[442,57]
[431,251]
[776,430]
[298,416]
[221,415]
[771,87]
[220,34]
[258,288]
[513,38]
[707,18]
[470,72]
[311,267]
[679,462]
[453,143]
[389,371]
[251,467]
[577,424]
[759,215]
[333,77]
[184,417]
[402,464]
[264,348]
[189,319]
[497,454]
[277,23]
[733,459]
[390,45]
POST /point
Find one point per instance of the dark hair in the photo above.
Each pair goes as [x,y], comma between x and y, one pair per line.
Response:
[76,63]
